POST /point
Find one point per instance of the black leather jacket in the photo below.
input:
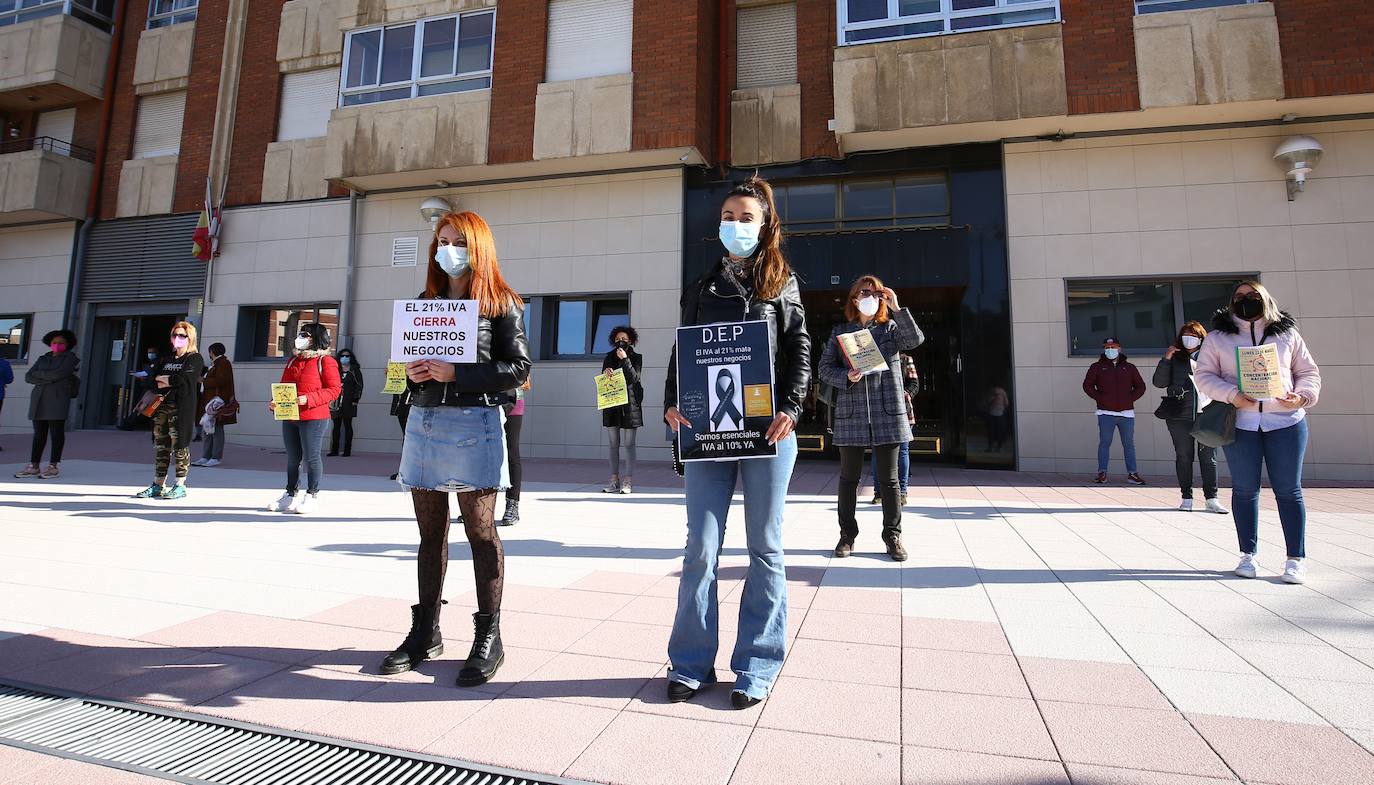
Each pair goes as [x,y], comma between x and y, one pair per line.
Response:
[503,364]
[718,297]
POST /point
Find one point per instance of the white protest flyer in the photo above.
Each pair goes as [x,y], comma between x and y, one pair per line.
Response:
[434,330]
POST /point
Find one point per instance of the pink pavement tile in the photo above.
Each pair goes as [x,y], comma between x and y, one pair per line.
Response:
[188,682]
[930,766]
[582,604]
[365,653]
[616,582]
[962,671]
[537,736]
[711,703]
[833,709]
[1072,681]
[592,681]
[369,613]
[67,772]
[777,756]
[627,640]
[530,630]
[406,716]
[1287,753]
[991,724]
[1130,738]
[290,698]
[1083,774]
[650,749]
[855,600]
[859,663]
[648,609]
[884,630]
[93,669]
[17,766]
[954,635]
[666,587]
[287,641]
[50,645]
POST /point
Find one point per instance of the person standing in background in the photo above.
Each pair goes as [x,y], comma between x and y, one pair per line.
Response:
[1174,374]
[345,407]
[622,423]
[143,383]
[218,384]
[400,409]
[6,379]
[515,416]
[55,384]
[1115,385]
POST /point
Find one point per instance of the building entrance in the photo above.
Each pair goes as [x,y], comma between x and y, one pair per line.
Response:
[119,348]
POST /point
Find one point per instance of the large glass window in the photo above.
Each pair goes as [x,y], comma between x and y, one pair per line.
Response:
[162,13]
[445,54]
[275,327]
[96,13]
[1156,6]
[582,326]
[1144,315]
[863,21]
[864,202]
[14,336]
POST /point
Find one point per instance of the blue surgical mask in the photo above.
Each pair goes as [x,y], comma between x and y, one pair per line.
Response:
[740,239]
[152,356]
[1112,354]
[345,360]
[452,259]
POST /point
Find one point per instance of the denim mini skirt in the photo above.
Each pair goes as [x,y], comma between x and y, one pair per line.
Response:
[454,448]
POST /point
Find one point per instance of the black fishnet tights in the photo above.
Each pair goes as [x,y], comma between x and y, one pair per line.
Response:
[488,557]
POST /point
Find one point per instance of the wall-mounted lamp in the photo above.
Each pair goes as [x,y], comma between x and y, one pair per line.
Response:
[1299,156]
[434,208]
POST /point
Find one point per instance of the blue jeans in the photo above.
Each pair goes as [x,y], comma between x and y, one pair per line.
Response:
[903,467]
[1106,423]
[1281,452]
[303,439]
[761,640]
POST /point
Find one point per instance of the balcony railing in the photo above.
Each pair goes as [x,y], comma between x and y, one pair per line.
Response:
[48,143]
[866,21]
[96,13]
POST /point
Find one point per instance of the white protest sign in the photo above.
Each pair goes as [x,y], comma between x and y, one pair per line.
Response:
[434,330]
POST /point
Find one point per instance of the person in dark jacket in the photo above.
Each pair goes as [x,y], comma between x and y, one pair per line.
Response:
[753,281]
[455,443]
[345,407]
[216,395]
[178,381]
[1174,374]
[622,423]
[6,379]
[55,384]
[400,409]
[871,409]
[1115,385]
[315,372]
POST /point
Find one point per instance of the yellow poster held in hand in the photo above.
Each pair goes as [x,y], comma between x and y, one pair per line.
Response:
[395,379]
[611,390]
[285,404]
[1257,372]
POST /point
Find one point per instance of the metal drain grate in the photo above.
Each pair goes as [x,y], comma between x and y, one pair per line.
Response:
[203,750]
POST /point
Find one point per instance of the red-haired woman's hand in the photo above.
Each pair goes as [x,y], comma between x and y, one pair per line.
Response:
[441,371]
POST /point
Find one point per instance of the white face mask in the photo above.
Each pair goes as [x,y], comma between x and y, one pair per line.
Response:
[452,259]
[1191,342]
[302,342]
[868,306]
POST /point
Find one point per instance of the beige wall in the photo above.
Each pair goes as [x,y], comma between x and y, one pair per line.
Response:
[765,125]
[309,36]
[54,50]
[163,62]
[146,186]
[575,235]
[39,185]
[1209,56]
[361,13]
[294,170]
[434,132]
[1197,202]
[34,261]
[583,117]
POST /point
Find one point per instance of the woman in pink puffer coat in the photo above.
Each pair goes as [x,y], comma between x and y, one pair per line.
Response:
[1269,433]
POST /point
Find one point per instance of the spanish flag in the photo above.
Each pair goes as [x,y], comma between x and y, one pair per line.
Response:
[205,240]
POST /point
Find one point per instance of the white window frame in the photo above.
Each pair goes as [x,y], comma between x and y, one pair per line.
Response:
[1164,6]
[81,9]
[415,82]
[946,15]
[179,14]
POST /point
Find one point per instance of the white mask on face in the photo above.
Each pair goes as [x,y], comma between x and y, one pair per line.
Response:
[1191,342]
[302,342]
[453,259]
[868,306]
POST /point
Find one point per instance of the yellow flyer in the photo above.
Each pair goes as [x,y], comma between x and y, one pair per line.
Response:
[395,379]
[1257,372]
[285,402]
[611,390]
[861,352]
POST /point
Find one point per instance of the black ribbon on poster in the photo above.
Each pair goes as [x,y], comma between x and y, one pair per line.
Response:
[725,394]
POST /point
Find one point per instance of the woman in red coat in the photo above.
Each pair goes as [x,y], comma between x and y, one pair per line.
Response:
[316,376]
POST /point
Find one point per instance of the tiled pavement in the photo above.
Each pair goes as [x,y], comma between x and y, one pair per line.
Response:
[1043,632]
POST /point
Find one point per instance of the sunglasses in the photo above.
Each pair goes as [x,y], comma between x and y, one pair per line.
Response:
[868,293]
[181,335]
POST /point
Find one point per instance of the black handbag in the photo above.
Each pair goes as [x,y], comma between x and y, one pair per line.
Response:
[1215,425]
[1170,408]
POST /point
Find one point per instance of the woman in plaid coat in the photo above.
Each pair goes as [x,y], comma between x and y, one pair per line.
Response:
[870,410]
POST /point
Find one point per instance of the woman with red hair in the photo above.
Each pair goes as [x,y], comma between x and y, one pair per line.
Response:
[454,442]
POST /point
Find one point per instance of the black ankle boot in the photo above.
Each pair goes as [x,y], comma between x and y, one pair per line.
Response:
[424,641]
[487,652]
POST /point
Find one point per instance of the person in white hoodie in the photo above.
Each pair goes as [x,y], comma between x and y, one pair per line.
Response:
[1269,433]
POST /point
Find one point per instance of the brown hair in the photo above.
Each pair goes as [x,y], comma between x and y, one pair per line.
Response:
[190,334]
[851,311]
[485,283]
[1193,328]
[771,270]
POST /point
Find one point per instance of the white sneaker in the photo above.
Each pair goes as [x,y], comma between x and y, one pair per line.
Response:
[285,503]
[1294,571]
[198,462]
[1215,506]
[1246,568]
[1186,505]
[212,462]
[306,504]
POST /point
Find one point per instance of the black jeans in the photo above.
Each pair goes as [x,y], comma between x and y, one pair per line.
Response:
[344,424]
[1184,448]
[303,440]
[41,431]
[513,455]
[851,469]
